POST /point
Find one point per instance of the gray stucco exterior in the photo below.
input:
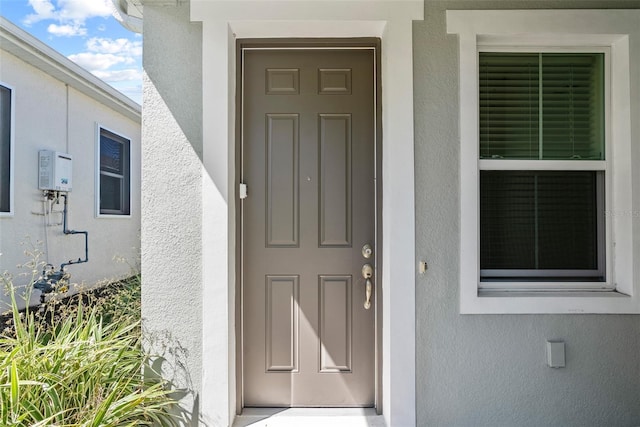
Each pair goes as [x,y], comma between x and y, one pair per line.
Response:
[471,370]
[490,370]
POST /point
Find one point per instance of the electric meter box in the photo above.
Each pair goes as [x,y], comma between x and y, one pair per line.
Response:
[54,170]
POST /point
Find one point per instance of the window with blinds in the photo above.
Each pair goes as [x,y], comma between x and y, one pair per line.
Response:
[114,174]
[538,223]
[5,149]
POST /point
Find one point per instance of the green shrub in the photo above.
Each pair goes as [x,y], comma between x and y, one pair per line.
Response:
[67,366]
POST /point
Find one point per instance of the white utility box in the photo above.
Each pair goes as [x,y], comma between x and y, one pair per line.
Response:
[54,170]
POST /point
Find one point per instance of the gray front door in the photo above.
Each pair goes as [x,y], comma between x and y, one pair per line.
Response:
[308,132]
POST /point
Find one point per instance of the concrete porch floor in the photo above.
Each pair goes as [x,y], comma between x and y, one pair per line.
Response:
[309,417]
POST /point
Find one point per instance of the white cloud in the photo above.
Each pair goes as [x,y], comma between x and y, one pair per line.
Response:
[110,76]
[115,46]
[113,60]
[134,92]
[66,30]
[43,9]
[70,14]
[80,10]
[99,61]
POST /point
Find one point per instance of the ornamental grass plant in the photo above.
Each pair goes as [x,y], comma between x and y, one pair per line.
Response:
[78,361]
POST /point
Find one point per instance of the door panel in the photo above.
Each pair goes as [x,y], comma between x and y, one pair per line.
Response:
[335,180]
[282,206]
[308,131]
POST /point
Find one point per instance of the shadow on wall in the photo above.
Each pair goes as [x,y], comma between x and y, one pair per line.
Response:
[173,370]
[180,88]
[172,156]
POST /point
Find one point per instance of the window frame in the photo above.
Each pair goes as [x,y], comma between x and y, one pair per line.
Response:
[126,186]
[557,165]
[556,29]
[12,130]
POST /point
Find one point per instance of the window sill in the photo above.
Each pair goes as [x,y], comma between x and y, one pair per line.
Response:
[111,216]
[551,294]
[550,302]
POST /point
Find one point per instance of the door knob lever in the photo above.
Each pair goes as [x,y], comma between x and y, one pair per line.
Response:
[367,273]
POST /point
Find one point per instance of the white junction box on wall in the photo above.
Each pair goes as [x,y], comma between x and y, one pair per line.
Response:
[54,171]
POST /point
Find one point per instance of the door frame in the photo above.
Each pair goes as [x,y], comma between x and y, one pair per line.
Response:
[307,44]
[215,27]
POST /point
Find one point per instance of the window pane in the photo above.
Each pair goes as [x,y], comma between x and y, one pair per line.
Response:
[111,158]
[572,107]
[567,220]
[564,121]
[541,220]
[507,220]
[509,103]
[110,193]
[5,148]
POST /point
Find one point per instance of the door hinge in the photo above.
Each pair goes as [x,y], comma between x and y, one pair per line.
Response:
[242,191]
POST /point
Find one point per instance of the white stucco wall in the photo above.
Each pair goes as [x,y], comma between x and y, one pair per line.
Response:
[173,289]
[43,107]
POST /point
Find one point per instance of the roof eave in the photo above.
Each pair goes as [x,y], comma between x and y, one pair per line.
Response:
[31,50]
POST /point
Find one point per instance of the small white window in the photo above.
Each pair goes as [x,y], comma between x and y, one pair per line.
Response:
[546,213]
[114,188]
[6,150]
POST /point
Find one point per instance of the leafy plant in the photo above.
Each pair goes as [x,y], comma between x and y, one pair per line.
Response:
[68,367]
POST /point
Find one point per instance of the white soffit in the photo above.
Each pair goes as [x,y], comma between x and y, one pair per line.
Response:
[129,14]
[307,11]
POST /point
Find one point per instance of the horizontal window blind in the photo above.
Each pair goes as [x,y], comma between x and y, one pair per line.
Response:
[111,153]
[541,105]
[111,189]
[541,220]
[5,148]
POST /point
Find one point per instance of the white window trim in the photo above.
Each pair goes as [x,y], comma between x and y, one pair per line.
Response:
[12,155]
[98,128]
[557,29]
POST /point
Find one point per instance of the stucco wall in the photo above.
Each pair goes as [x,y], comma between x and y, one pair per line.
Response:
[173,287]
[41,107]
[472,370]
[490,370]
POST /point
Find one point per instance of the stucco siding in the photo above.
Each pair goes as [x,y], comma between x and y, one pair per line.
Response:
[173,288]
[52,115]
[490,370]
[471,370]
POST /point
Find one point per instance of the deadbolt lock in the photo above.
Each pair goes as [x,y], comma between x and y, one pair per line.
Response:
[367,251]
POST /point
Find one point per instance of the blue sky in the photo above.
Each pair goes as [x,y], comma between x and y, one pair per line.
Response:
[85,32]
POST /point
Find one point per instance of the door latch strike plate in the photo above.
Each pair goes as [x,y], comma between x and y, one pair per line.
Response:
[242,191]
[423,267]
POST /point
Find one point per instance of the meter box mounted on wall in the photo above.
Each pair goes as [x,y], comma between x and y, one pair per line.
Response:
[54,171]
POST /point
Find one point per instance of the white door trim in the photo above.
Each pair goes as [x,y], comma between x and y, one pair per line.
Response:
[222,23]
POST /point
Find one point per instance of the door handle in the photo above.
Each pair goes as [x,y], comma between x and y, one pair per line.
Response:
[367,273]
